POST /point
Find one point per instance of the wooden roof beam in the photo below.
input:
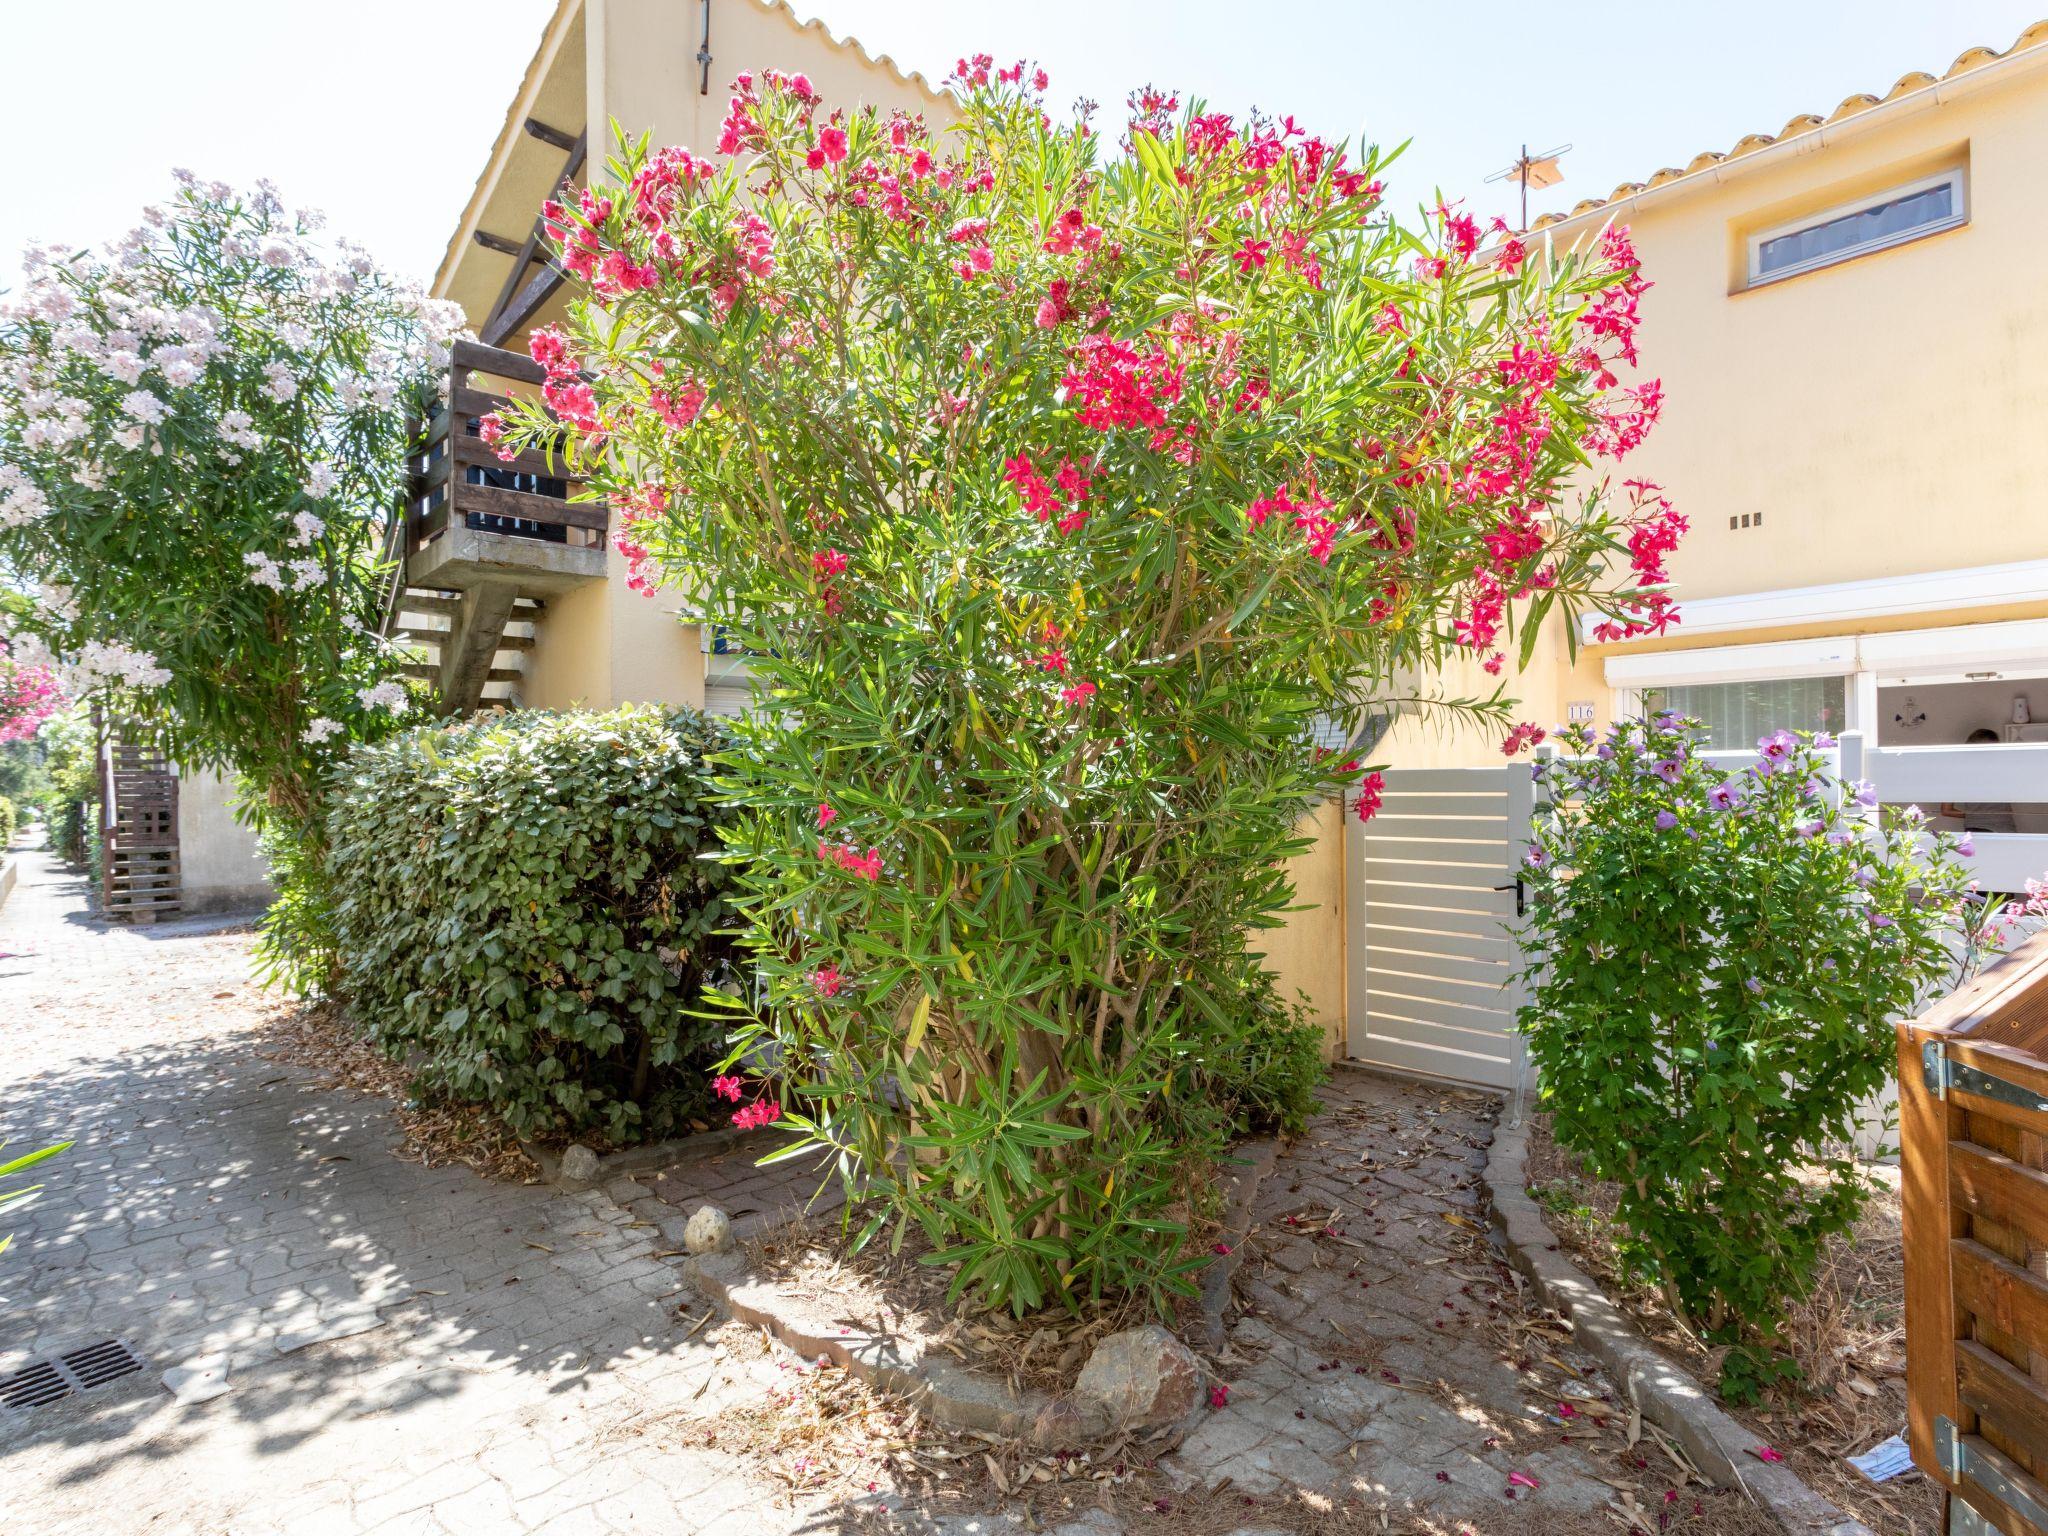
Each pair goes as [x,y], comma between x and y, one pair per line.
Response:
[555,136]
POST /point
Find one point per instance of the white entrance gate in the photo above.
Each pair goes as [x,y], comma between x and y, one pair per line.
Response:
[1432,897]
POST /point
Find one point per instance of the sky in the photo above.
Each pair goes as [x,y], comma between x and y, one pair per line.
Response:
[381,112]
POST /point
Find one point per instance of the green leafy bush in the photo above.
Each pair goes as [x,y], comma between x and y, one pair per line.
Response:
[7,822]
[525,901]
[71,836]
[1253,1070]
[70,785]
[1715,962]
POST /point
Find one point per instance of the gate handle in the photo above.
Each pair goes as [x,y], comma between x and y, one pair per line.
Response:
[1516,887]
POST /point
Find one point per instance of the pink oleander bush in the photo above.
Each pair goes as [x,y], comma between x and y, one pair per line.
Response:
[1059,483]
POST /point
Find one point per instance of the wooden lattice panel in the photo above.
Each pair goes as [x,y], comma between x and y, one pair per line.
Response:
[140,878]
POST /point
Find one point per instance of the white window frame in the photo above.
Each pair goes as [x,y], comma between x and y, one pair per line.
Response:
[1953,178]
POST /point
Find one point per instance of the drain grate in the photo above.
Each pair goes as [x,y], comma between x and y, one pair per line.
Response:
[80,1370]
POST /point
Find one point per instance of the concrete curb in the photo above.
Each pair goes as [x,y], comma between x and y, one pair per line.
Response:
[647,1156]
[938,1388]
[942,1390]
[1667,1395]
[1253,1163]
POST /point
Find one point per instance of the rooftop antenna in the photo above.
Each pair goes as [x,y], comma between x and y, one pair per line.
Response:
[1533,171]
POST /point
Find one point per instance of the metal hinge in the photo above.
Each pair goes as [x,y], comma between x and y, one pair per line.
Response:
[1942,1073]
[1960,1460]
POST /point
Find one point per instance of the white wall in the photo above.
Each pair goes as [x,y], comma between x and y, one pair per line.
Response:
[217,856]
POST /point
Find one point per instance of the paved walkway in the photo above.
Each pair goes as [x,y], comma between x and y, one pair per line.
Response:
[415,1350]
[407,1350]
[1388,1362]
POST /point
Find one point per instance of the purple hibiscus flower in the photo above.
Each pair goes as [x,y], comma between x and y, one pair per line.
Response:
[1725,797]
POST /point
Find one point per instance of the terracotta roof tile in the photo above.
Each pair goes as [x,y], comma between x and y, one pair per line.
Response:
[1805,122]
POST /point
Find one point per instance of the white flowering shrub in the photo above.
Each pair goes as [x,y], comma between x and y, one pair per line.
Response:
[202,435]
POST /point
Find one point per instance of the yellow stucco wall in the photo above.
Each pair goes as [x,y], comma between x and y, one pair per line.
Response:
[1874,411]
[1881,414]
[1307,955]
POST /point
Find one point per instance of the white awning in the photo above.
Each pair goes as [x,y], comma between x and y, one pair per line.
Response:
[2015,647]
[1979,586]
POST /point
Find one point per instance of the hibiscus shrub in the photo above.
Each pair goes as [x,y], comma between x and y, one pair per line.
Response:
[202,436]
[1716,961]
[1057,493]
[524,907]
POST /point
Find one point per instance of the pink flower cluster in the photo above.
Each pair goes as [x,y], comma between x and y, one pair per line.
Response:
[643,504]
[1654,529]
[751,1117]
[680,406]
[1112,384]
[849,858]
[828,565]
[748,1117]
[1066,493]
[1522,736]
[29,695]
[1310,515]
[564,392]
[1371,792]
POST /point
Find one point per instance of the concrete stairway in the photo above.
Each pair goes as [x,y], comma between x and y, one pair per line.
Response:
[475,642]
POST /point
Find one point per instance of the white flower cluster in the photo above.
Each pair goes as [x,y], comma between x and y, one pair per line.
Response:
[320,728]
[140,405]
[21,499]
[53,420]
[238,429]
[215,296]
[110,660]
[290,576]
[280,384]
[55,598]
[388,695]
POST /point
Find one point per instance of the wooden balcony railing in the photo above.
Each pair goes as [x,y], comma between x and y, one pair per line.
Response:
[458,480]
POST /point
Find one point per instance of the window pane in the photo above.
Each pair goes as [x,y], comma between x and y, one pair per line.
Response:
[1891,220]
[1737,714]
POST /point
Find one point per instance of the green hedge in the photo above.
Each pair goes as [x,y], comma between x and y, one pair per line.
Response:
[7,823]
[526,909]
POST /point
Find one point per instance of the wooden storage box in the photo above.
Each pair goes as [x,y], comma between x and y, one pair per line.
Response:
[1973,1137]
